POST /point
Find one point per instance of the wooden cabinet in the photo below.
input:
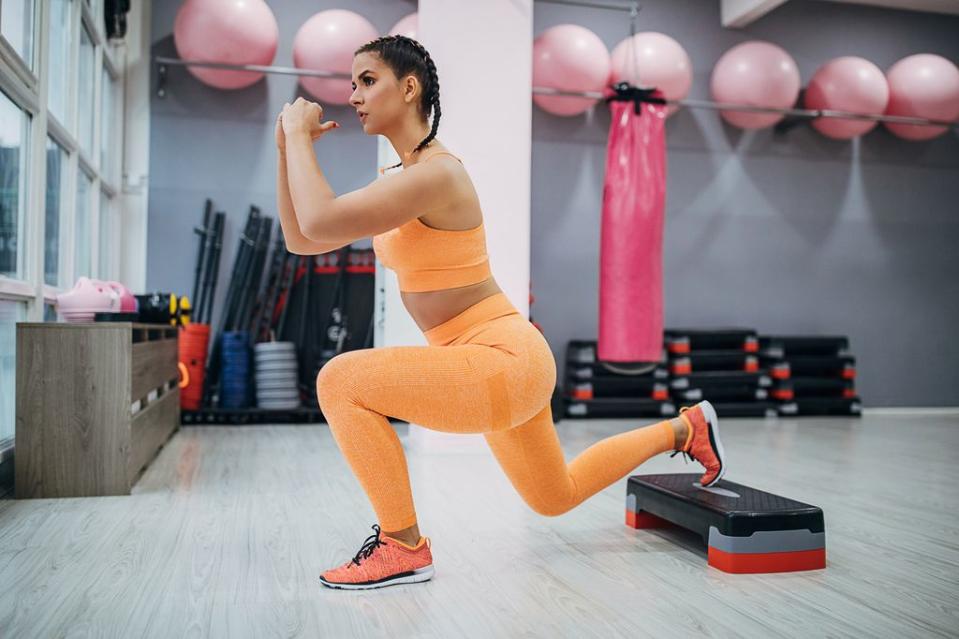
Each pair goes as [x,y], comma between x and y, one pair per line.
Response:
[95,402]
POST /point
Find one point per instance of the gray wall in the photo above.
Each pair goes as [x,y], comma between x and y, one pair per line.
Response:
[206,142]
[790,234]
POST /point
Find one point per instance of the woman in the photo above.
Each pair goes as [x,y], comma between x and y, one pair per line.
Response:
[486,369]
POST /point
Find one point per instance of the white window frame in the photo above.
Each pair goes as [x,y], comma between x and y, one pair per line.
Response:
[29,91]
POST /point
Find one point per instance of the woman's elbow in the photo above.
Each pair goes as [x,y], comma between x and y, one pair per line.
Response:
[319,233]
[311,232]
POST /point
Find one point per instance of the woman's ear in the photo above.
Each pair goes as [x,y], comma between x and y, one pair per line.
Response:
[411,88]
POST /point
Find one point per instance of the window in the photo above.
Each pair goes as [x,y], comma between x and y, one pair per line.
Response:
[16,25]
[14,135]
[58,49]
[85,93]
[56,165]
[106,246]
[81,233]
[10,314]
[72,169]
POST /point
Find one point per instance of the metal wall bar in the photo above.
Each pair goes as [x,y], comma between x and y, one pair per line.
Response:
[163,62]
[594,5]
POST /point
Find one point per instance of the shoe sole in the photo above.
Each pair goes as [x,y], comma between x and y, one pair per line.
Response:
[713,420]
[415,576]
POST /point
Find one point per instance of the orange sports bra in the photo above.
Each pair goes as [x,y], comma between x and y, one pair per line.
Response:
[431,259]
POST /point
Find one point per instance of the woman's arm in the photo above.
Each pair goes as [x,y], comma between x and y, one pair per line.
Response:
[296,242]
[384,204]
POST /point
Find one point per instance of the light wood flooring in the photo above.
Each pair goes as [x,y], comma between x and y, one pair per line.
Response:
[229,528]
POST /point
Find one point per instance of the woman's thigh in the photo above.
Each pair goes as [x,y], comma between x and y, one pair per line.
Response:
[499,379]
[445,388]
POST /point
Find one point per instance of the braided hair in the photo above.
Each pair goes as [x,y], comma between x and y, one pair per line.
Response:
[405,56]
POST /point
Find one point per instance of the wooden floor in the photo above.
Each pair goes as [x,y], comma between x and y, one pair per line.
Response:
[228,529]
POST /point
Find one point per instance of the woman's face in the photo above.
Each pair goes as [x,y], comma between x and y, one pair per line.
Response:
[376,94]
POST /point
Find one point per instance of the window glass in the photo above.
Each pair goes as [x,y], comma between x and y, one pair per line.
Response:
[10,313]
[85,92]
[56,165]
[16,25]
[106,128]
[81,241]
[59,51]
[107,227]
[14,133]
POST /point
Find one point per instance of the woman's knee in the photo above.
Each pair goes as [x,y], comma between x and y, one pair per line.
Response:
[338,378]
[552,508]
[556,503]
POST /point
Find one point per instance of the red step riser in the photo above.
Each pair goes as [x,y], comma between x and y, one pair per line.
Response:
[749,563]
[742,563]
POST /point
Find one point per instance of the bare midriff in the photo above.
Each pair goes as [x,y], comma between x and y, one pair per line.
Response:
[429,309]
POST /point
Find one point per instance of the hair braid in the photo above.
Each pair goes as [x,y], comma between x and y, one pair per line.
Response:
[404,56]
[431,95]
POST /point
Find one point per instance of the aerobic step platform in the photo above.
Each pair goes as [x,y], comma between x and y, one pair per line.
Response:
[746,530]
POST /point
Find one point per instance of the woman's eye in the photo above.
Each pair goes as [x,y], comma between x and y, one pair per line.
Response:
[364,81]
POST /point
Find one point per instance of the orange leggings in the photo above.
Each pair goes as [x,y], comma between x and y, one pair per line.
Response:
[487,370]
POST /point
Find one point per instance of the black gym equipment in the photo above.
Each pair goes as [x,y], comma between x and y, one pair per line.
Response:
[788,345]
[717,360]
[239,277]
[744,530]
[619,407]
[115,17]
[595,388]
[680,341]
[205,232]
[822,406]
[266,304]
[815,375]
[213,242]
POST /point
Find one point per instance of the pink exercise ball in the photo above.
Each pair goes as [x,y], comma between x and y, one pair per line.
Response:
[848,84]
[326,42]
[658,61]
[229,32]
[923,86]
[570,58]
[408,26]
[755,73]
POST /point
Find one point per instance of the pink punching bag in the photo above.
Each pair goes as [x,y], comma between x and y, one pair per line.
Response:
[631,244]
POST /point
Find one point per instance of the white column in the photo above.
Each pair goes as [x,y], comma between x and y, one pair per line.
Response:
[134,192]
[393,324]
[483,55]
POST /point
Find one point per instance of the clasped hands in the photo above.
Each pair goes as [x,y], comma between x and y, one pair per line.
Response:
[302,116]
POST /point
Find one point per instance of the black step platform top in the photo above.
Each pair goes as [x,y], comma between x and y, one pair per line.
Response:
[619,407]
[734,509]
[713,379]
[829,345]
[600,370]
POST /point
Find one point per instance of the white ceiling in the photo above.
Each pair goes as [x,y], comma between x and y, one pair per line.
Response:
[935,6]
[739,13]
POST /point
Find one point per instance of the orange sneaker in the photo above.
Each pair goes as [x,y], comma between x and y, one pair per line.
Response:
[703,444]
[382,562]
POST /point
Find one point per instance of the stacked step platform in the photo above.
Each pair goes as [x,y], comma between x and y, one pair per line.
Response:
[742,373]
[812,375]
[721,366]
[606,389]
